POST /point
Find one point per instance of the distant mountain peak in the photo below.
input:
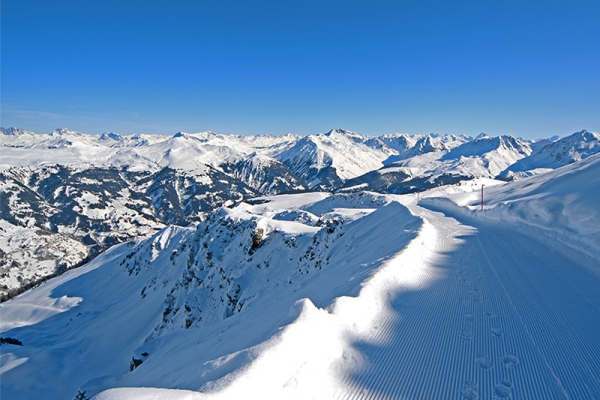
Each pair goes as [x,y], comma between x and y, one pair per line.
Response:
[483,135]
[14,131]
[585,135]
[341,132]
[581,136]
[557,153]
[110,136]
[65,131]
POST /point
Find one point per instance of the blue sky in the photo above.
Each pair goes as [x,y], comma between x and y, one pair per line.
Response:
[526,68]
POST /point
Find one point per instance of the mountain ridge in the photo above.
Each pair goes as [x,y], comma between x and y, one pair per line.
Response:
[151,181]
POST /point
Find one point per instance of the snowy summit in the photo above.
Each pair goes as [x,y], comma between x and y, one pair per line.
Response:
[336,265]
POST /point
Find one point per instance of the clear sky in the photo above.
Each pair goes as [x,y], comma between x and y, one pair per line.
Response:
[526,68]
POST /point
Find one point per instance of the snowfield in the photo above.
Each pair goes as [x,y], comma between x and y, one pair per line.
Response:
[89,192]
[215,281]
[563,203]
[347,295]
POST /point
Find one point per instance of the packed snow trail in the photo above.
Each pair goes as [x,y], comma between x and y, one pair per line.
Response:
[508,317]
[406,309]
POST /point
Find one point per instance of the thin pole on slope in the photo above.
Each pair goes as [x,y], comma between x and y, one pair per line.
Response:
[482,197]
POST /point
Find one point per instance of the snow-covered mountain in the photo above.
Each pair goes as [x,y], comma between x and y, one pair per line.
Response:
[318,295]
[240,269]
[326,160]
[409,146]
[554,154]
[69,192]
[81,210]
[265,174]
[245,156]
[564,202]
[432,162]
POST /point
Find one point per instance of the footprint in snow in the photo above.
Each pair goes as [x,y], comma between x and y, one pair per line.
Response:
[471,317]
[510,361]
[502,390]
[469,392]
[467,335]
[497,332]
[484,361]
[491,314]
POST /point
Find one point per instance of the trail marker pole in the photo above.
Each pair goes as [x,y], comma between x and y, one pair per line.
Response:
[482,197]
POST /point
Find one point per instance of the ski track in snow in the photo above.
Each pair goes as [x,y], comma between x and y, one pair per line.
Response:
[486,311]
[507,317]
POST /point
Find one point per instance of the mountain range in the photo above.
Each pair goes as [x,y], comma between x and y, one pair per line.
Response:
[314,294]
[67,196]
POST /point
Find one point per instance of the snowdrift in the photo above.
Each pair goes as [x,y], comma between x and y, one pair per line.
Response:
[564,203]
[253,295]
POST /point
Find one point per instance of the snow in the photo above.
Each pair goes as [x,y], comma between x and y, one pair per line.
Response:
[563,202]
[148,394]
[558,153]
[338,154]
[335,295]
[484,157]
[29,254]
[288,201]
[36,311]
[268,294]
[469,308]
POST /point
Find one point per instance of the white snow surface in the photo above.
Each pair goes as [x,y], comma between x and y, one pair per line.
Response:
[484,157]
[346,151]
[554,154]
[293,289]
[323,159]
[351,154]
[346,296]
[37,253]
[564,203]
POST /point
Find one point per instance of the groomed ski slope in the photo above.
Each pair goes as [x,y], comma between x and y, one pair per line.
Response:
[469,308]
[494,310]
[493,314]
[512,316]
